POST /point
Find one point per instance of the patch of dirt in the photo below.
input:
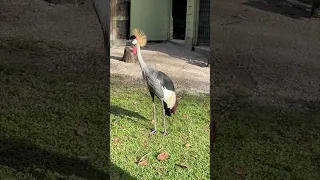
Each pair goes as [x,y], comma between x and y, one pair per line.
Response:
[70,24]
[258,47]
[186,68]
[76,25]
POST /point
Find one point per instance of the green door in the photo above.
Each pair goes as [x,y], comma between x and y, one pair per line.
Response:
[152,17]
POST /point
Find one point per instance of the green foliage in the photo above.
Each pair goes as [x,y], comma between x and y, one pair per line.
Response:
[54,126]
[265,142]
[44,102]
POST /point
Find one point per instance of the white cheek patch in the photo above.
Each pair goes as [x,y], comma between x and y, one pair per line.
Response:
[169,97]
[134,42]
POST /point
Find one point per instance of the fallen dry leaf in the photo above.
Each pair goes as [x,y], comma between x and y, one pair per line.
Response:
[195,155]
[38,169]
[207,106]
[160,170]
[87,158]
[143,157]
[70,84]
[115,176]
[163,156]
[143,162]
[81,131]
[188,145]
[116,139]
[185,116]
[238,171]
[184,166]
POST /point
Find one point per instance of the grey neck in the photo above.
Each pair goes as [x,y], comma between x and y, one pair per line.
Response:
[143,65]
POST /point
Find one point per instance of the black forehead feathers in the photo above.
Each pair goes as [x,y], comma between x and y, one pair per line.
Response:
[132,37]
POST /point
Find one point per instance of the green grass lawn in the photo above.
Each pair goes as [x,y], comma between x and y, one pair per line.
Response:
[53,112]
[266,142]
[131,123]
[54,124]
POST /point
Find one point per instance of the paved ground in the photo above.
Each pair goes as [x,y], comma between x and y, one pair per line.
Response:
[187,69]
[262,50]
[38,20]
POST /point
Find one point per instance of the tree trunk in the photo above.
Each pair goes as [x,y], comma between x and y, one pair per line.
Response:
[128,55]
[102,9]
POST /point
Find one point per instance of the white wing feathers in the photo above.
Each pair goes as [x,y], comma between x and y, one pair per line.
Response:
[169,97]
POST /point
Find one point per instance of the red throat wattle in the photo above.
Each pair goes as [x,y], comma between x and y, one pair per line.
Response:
[134,50]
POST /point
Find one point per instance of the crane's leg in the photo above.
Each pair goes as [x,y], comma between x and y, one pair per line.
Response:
[164,120]
[154,117]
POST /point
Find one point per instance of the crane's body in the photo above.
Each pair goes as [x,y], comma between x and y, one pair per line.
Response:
[158,83]
[161,85]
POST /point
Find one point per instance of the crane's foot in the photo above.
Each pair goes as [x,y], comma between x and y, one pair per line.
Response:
[153,132]
[165,133]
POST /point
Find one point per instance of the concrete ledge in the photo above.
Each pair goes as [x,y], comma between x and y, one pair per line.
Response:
[203,50]
[177,42]
[118,42]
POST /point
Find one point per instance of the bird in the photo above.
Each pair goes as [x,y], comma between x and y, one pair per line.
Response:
[159,84]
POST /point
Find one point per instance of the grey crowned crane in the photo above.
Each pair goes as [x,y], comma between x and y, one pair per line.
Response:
[159,84]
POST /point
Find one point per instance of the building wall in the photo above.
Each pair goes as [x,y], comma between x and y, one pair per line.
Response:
[152,17]
[197,27]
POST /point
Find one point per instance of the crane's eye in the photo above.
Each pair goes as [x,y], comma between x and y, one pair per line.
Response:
[134,42]
[132,37]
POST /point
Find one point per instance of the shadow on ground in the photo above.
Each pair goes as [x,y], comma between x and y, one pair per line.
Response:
[231,106]
[191,57]
[25,156]
[118,173]
[258,136]
[290,9]
[116,58]
[121,112]
[40,71]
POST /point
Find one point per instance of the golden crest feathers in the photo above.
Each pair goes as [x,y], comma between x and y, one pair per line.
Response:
[140,36]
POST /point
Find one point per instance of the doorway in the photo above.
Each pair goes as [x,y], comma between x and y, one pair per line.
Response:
[179,16]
